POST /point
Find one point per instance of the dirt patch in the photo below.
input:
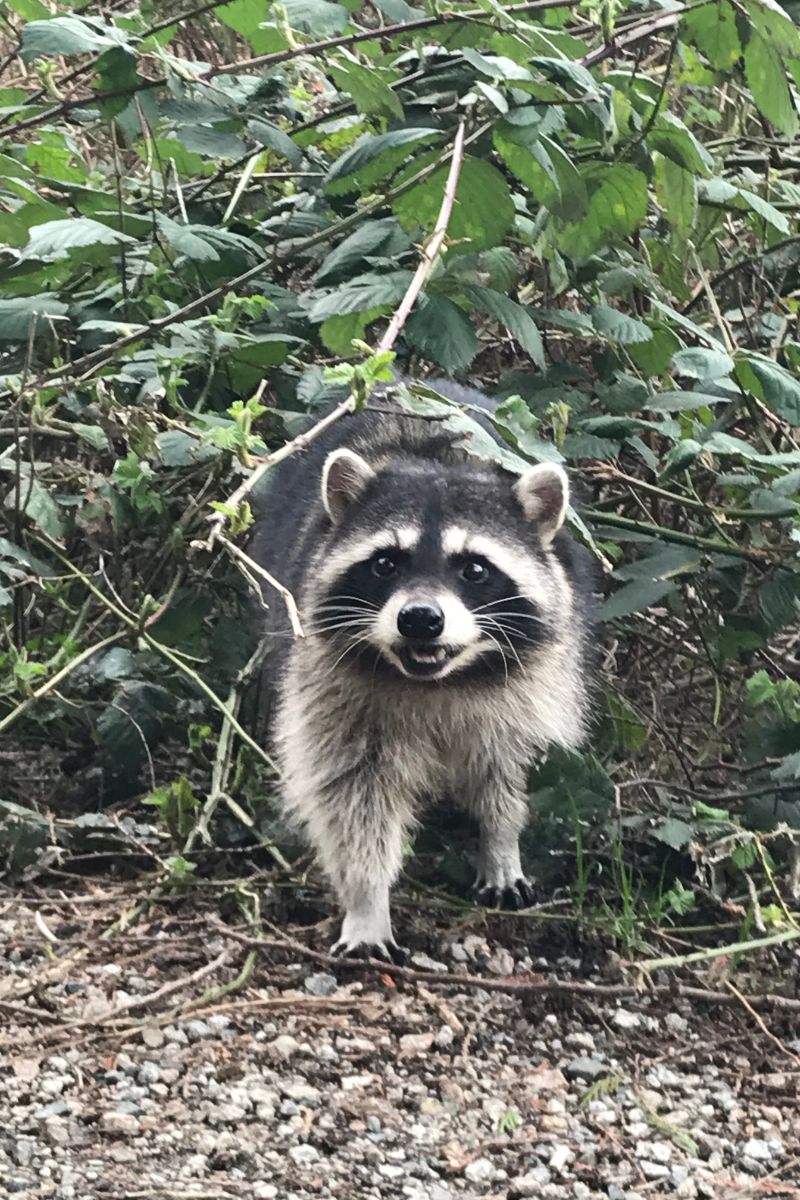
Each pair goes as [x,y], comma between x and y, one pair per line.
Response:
[149,1052]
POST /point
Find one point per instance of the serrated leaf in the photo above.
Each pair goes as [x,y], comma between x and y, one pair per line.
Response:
[712,27]
[766,76]
[54,239]
[361,294]
[276,139]
[373,157]
[515,317]
[442,332]
[774,25]
[674,832]
[619,327]
[370,92]
[210,142]
[320,17]
[68,35]
[482,213]
[699,363]
[617,206]
[93,435]
[382,238]
[635,597]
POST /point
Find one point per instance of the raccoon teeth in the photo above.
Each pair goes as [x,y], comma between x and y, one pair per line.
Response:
[428,657]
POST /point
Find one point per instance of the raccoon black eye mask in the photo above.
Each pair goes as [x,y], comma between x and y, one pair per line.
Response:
[445,612]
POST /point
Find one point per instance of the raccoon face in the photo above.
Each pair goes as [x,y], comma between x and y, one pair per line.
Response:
[429,572]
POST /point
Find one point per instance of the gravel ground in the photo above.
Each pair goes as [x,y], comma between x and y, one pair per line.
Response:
[127,1070]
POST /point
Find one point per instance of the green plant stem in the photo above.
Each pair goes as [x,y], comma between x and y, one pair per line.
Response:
[163,650]
[58,678]
[682,960]
[762,557]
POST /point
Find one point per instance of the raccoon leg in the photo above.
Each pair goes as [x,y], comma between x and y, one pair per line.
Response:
[498,799]
[358,835]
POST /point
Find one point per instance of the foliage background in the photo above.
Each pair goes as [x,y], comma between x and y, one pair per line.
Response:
[202,208]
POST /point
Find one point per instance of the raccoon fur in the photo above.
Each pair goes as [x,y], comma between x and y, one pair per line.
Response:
[445,611]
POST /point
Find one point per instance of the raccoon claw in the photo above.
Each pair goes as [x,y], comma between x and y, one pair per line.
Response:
[388,952]
[514,896]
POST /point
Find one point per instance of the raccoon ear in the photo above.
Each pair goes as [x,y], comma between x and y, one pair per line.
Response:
[543,492]
[344,477]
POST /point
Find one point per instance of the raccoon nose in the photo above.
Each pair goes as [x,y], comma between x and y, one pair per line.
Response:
[420,620]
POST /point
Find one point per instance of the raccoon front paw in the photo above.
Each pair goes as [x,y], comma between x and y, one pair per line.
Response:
[513,896]
[388,951]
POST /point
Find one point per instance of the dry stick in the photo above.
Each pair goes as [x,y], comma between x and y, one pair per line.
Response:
[517,985]
[762,1024]
[251,565]
[281,56]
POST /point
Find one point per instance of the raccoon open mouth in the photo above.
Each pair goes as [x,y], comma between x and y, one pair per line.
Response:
[423,659]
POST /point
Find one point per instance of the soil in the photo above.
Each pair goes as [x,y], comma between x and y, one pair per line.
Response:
[159,1048]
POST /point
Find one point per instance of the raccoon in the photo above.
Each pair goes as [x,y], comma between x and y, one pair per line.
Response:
[446,613]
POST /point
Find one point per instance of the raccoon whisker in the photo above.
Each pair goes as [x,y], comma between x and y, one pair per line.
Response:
[529,616]
[333,626]
[350,646]
[517,633]
[500,651]
[360,601]
[496,625]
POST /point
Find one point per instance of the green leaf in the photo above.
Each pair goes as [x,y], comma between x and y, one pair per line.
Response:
[373,157]
[359,295]
[210,141]
[16,314]
[619,327]
[774,25]
[54,239]
[676,190]
[617,206]
[712,27]
[515,317]
[635,597]
[767,79]
[781,390]
[246,17]
[371,93]
[671,137]
[674,832]
[681,401]
[441,331]
[382,238]
[320,17]
[185,241]
[339,332]
[68,35]
[93,435]
[700,363]
[482,213]
[276,139]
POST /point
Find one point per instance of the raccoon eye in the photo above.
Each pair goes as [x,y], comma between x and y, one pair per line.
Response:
[475,572]
[384,565]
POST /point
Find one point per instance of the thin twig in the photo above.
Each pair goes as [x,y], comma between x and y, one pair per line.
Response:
[431,250]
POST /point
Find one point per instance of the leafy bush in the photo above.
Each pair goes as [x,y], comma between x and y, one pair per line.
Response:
[200,217]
